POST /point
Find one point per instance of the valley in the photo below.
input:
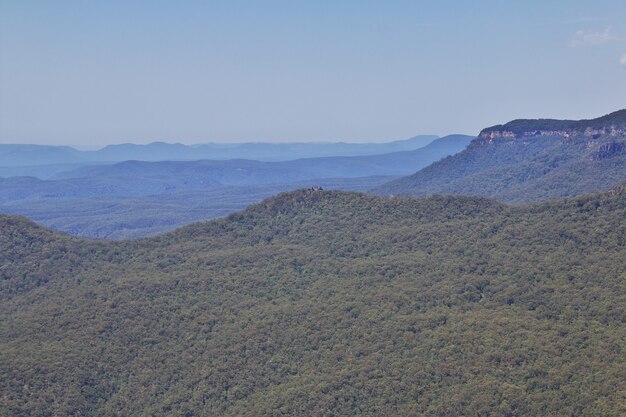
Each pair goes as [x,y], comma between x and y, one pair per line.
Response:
[140,198]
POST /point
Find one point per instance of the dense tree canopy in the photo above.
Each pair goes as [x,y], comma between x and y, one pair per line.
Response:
[324,303]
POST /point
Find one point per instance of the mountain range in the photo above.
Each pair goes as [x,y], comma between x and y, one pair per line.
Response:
[45,161]
[252,172]
[518,162]
[323,302]
[138,198]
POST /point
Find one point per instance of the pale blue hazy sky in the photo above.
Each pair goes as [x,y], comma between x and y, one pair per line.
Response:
[98,72]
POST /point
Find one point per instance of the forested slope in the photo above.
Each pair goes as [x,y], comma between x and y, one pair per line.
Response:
[529,160]
[324,303]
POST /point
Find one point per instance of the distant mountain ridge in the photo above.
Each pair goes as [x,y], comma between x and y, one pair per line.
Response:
[249,172]
[139,198]
[38,155]
[529,160]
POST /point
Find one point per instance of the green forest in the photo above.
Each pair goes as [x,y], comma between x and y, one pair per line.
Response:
[324,303]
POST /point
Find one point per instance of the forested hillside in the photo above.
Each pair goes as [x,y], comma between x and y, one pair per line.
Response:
[529,160]
[324,303]
[129,217]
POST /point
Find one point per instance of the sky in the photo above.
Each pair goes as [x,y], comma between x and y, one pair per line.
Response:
[91,73]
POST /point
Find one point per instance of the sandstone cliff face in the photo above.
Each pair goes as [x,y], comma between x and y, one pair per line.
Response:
[588,132]
[611,125]
[491,136]
[620,189]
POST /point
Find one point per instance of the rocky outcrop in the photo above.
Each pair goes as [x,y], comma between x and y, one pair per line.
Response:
[588,132]
[609,149]
[611,125]
[619,190]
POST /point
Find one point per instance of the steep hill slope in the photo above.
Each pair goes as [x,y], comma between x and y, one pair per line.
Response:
[324,303]
[529,160]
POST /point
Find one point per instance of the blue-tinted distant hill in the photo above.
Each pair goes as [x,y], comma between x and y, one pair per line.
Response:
[138,198]
[260,151]
[529,160]
[30,155]
[45,161]
[253,172]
